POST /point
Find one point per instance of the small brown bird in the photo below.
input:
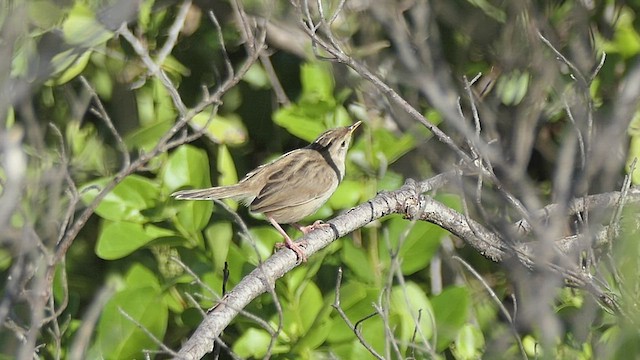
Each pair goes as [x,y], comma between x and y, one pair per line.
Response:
[291,187]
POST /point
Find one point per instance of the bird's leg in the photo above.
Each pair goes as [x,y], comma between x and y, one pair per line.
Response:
[288,242]
[318,224]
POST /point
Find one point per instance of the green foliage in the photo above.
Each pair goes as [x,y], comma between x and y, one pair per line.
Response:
[138,231]
[118,337]
[317,109]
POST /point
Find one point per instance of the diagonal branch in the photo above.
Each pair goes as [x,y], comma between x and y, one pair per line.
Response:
[407,200]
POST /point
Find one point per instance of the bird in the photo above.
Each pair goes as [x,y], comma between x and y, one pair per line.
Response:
[291,187]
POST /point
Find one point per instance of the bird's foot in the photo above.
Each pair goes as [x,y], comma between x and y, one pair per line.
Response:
[297,247]
[318,224]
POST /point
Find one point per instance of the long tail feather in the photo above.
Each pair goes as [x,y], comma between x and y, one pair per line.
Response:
[221,192]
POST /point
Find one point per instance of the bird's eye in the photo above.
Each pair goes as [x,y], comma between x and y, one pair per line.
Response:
[344,143]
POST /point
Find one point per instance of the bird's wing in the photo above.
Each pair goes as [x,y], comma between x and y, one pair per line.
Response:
[302,177]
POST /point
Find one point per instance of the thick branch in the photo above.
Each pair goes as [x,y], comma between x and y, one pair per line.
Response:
[407,200]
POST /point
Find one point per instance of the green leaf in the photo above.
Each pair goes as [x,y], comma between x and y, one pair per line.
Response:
[257,77]
[469,343]
[226,167]
[174,67]
[126,201]
[265,238]
[220,129]
[146,137]
[626,40]
[88,151]
[389,147]
[347,195]
[317,108]
[82,28]
[302,311]
[253,343]
[140,276]
[219,237]
[419,244]
[187,166]
[118,337]
[194,215]
[355,299]
[44,14]
[451,308]
[317,82]
[357,261]
[119,239]
[154,103]
[295,119]
[70,64]
[409,304]
[513,87]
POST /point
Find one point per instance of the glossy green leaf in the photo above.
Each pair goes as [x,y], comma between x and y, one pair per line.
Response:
[220,129]
[154,103]
[303,310]
[356,259]
[265,237]
[297,122]
[469,343]
[513,87]
[626,40]
[44,13]
[451,308]
[89,154]
[146,137]
[317,82]
[140,276]
[126,201]
[70,64]
[253,343]
[82,28]
[119,239]
[219,236]
[226,168]
[257,77]
[418,245]
[409,304]
[347,195]
[194,215]
[186,167]
[387,147]
[120,338]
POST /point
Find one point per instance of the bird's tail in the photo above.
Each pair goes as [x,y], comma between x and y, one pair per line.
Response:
[220,192]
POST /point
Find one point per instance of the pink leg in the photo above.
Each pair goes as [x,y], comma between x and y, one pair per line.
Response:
[318,224]
[288,242]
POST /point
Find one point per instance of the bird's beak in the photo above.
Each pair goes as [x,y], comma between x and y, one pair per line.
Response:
[353,127]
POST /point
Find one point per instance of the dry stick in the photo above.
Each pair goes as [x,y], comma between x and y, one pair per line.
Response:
[174,31]
[101,113]
[144,329]
[336,305]
[494,297]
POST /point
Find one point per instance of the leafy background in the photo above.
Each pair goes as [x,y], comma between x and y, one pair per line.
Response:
[144,260]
